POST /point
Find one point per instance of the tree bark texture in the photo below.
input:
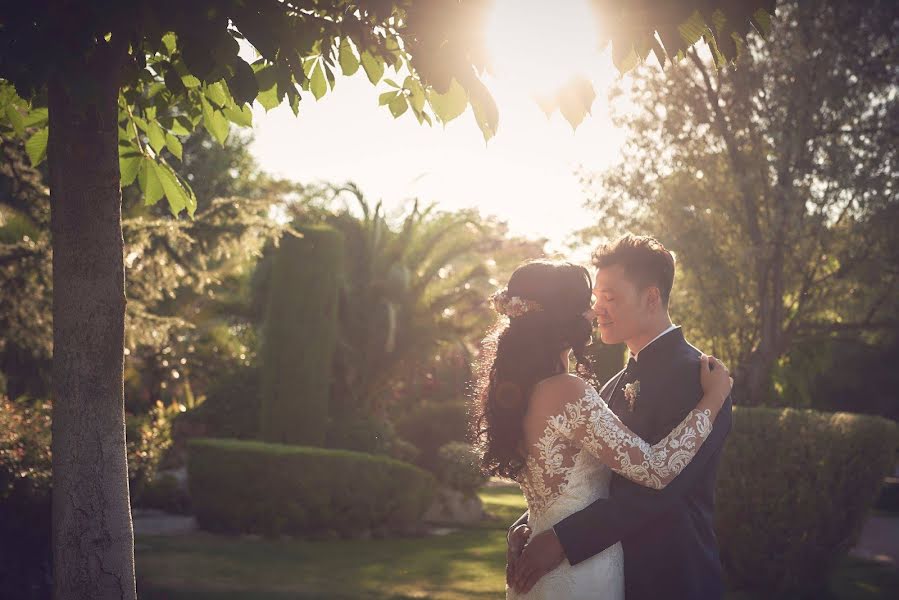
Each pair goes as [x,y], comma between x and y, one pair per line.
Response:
[93,541]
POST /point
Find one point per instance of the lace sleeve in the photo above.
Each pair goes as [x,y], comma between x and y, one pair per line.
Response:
[590,423]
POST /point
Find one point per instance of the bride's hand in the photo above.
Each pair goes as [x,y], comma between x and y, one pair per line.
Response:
[716,382]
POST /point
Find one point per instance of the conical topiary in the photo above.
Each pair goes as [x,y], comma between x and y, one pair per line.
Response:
[299,336]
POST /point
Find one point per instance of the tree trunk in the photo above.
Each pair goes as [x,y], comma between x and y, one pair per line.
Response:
[753,385]
[93,541]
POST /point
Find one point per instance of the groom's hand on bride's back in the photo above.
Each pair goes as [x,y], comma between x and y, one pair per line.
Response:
[541,554]
[515,541]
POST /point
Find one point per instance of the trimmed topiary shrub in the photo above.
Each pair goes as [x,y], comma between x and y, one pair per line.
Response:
[165,492]
[429,427]
[458,468]
[243,486]
[794,489]
[299,337]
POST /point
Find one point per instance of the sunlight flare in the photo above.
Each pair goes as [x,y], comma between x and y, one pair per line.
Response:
[537,47]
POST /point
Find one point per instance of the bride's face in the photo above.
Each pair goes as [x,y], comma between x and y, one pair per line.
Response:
[621,309]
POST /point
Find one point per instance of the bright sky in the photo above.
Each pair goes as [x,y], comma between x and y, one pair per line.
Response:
[525,174]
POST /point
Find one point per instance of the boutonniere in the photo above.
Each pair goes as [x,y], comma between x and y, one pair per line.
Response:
[631,393]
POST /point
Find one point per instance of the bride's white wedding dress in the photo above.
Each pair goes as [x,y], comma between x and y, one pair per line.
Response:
[567,470]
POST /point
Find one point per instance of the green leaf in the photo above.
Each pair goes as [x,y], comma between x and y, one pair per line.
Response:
[214,122]
[761,20]
[398,105]
[174,145]
[38,117]
[156,136]
[142,125]
[216,93]
[169,42]
[294,101]
[392,83]
[171,186]
[269,98]
[692,29]
[243,85]
[450,105]
[416,93]
[386,97]
[329,74]
[179,126]
[349,64]
[36,146]
[575,101]
[148,179]
[308,64]
[624,57]
[317,83]
[16,120]
[485,111]
[129,164]
[242,116]
[373,65]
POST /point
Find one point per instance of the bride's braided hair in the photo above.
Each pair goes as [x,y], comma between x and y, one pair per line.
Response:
[524,349]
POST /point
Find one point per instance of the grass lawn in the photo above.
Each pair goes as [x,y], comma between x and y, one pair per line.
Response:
[464,564]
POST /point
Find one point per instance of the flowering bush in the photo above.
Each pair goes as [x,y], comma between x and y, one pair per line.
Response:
[25,542]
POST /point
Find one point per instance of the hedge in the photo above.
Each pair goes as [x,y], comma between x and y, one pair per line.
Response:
[794,489]
[242,486]
[430,426]
[299,336]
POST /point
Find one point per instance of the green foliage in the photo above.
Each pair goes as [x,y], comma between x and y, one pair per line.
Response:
[414,286]
[164,492]
[794,489]
[430,426]
[254,487]
[149,436]
[231,408]
[300,335]
[25,477]
[25,485]
[361,432]
[458,468]
[849,375]
[188,314]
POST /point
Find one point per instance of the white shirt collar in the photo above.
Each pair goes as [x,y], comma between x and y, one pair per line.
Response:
[670,328]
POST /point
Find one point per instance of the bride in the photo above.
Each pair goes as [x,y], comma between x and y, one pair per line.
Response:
[552,432]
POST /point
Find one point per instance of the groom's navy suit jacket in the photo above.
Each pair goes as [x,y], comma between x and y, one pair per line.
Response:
[668,536]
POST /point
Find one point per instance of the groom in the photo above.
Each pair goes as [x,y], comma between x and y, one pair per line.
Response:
[670,549]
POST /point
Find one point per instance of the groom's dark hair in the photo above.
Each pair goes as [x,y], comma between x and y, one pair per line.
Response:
[644,259]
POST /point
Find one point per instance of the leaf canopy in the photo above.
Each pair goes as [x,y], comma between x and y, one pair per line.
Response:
[183,65]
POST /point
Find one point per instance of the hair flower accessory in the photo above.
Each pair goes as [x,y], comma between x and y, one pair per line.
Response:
[513,306]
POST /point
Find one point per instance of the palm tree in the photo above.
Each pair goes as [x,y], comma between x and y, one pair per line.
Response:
[408,290]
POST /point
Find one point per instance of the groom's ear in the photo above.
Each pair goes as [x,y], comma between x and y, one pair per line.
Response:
[654,298]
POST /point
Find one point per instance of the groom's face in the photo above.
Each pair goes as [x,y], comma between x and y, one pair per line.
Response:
[621,307]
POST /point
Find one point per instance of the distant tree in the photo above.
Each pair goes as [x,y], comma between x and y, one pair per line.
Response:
[775,182]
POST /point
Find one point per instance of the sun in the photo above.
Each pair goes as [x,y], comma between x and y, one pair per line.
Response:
[538,46]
